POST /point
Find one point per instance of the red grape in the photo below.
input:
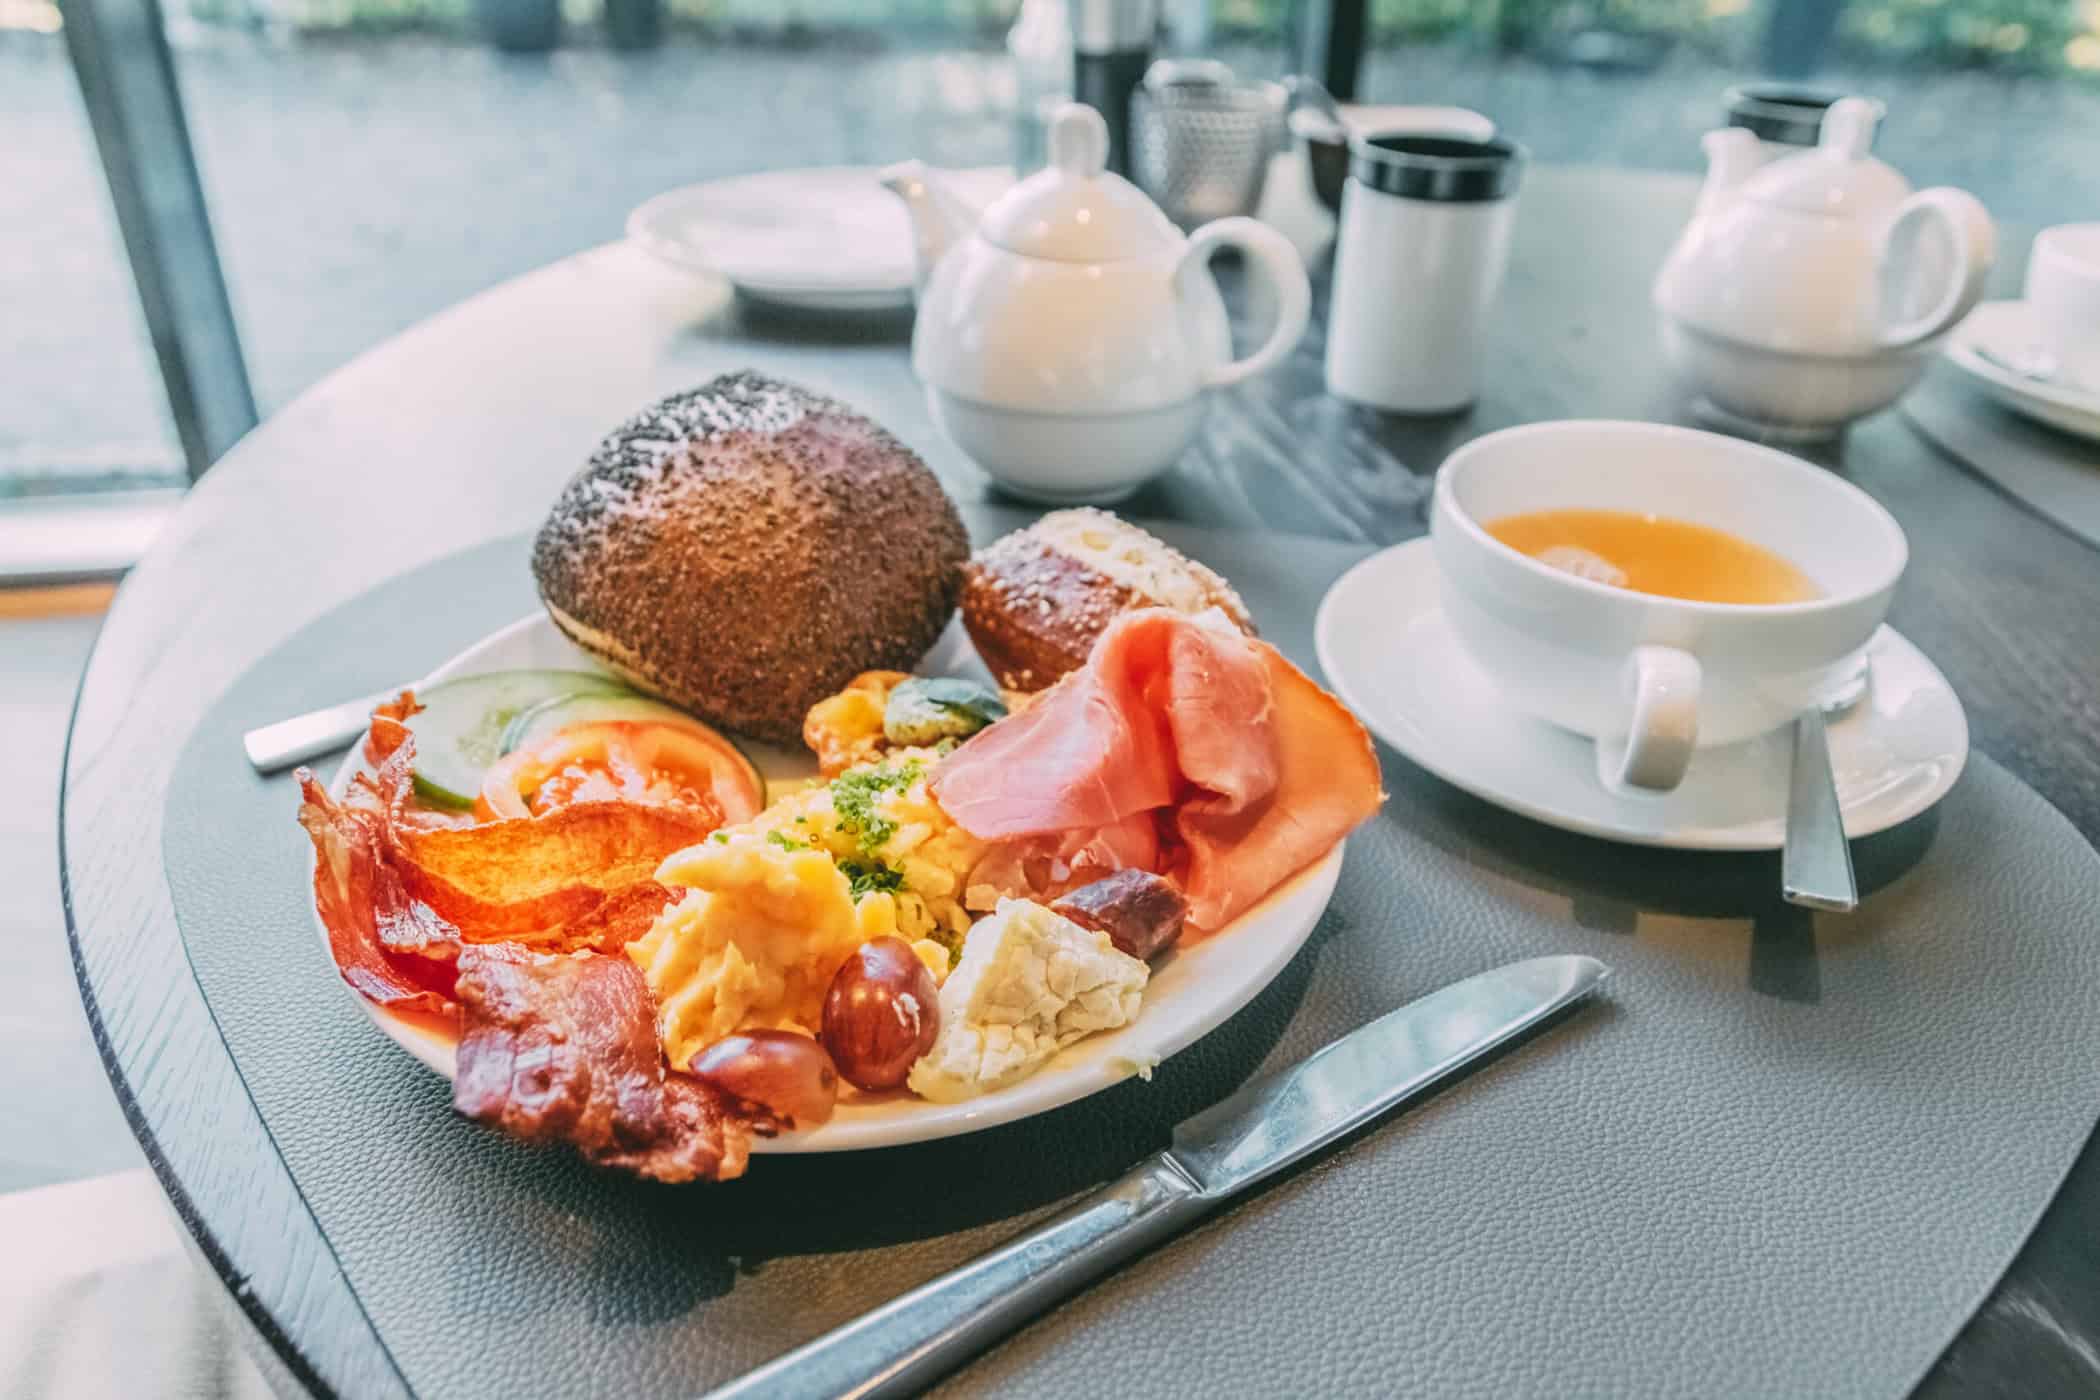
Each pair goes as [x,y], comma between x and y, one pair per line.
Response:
[786,1076]
[881,1014]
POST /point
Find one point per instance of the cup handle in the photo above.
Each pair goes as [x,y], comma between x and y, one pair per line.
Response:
[1663,683]
[1273,253]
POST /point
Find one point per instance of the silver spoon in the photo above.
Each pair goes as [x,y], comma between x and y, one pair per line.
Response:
[1815,864]
[2033,363]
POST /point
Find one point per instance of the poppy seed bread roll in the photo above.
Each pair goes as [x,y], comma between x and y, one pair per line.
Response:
[745,548]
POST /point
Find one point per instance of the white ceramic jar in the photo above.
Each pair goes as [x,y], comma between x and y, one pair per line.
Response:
[1419,257]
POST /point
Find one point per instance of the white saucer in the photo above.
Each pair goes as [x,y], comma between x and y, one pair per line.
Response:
[828,239]
[2003,329]
[1388,653]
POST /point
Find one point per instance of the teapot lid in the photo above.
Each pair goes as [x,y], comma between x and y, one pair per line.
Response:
[1838,176]
[1074,210]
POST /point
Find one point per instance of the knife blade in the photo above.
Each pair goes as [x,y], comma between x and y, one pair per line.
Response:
[1277,1120]
[909,1342]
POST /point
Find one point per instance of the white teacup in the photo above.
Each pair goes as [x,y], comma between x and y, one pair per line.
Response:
[1653,678]
[2063,296]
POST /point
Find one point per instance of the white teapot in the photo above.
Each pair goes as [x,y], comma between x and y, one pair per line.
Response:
[1066,337]
[1815,290]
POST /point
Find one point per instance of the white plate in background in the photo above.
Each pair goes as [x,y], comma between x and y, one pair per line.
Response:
[826,239]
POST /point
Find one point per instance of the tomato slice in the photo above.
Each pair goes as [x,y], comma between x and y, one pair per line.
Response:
[648,761]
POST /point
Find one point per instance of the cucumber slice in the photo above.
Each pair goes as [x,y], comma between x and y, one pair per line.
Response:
[459,731]
[543,719]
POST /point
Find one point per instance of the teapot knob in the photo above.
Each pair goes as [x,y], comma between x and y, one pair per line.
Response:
[1078,140]
[1848,127]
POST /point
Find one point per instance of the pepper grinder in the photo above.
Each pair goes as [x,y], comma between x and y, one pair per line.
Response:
[1111,49]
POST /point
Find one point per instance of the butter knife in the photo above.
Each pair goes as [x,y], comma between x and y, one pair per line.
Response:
[908,1343]
[278,746]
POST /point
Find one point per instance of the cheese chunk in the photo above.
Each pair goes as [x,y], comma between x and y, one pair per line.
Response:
[1030,982]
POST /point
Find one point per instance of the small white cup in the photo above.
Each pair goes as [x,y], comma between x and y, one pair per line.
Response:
[2063,296]
[1652,679]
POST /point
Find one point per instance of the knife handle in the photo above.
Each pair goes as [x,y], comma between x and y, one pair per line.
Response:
[275,747]
[907,1344]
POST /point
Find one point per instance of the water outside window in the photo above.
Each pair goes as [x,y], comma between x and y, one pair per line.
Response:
[369,162]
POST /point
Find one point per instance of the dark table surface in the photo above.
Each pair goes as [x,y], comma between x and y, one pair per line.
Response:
[462,430]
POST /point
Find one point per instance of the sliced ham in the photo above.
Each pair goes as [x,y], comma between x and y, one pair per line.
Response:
[1043,771]
[1211,738]
[1328,785]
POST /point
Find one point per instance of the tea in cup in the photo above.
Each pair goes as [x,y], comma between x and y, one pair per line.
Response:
[1658,589]
[2063,297]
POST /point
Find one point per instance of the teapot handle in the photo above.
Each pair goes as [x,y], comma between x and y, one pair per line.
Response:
[1279,261]
[1967,231]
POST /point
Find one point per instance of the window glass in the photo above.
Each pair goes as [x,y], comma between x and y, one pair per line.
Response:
[369,162]
[1999,97]
[81,406]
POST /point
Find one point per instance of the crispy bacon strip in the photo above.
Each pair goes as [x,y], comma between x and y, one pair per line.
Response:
[571,876]
[390,726]
[564,1049]
[393,949]
[437,918]
[399,896]
[577,877]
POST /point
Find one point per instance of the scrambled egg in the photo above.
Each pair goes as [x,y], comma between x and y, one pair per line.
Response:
[774,905]
[754,942]
[890,839]
[1030,983]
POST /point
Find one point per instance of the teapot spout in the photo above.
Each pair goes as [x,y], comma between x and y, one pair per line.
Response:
[939,218]
[1732,156]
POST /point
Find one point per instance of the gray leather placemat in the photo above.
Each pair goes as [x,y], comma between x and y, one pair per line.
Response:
[2052,473]
[1781,1157]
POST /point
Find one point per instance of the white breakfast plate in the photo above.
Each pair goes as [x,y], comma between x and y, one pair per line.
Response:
[1391,657]
[828,239]
[2004,330]
[1192,990]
